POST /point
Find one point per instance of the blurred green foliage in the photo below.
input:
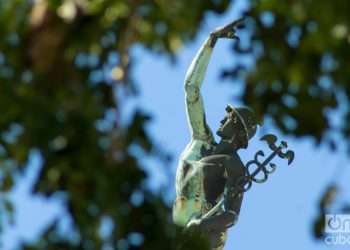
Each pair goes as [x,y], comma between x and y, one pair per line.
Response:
[301,76]
[64,63]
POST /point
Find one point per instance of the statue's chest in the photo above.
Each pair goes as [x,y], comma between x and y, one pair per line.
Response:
[190,180]
[189,176]
[196,150]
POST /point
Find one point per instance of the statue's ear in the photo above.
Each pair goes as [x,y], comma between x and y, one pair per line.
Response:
[242,140]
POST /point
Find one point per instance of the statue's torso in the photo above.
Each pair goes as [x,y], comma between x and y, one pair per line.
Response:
[188,167]
[189,176]
[201,177]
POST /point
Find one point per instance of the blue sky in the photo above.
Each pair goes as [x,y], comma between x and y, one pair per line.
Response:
[277,214]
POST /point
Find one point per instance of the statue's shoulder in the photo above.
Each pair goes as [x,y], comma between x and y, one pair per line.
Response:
[228,161]
[213,157]
[196,150]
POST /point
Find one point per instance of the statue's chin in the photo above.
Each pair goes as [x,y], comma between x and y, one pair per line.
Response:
[223,136]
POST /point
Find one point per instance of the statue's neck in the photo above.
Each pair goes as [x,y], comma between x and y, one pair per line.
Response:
[223,147]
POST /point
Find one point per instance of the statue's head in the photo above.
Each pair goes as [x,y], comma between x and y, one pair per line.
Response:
[238,126]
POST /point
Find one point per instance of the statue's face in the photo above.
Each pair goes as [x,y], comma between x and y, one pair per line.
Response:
[228,127]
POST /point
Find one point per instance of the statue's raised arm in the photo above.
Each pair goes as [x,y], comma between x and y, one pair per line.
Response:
[194,79]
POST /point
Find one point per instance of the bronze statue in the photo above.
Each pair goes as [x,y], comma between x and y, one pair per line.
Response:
[211,178]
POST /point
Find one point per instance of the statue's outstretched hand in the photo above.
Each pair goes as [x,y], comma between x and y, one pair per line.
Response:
[227,31]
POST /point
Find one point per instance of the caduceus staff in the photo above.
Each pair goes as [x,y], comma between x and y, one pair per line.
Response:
[244,183]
